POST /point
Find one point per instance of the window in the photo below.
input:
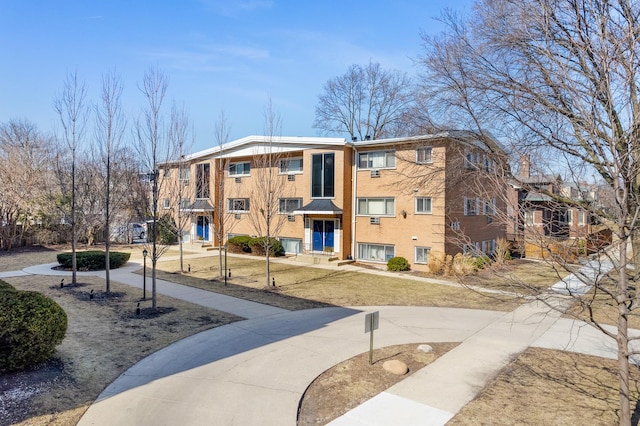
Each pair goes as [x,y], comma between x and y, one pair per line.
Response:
[185,174]
[202,180]
[581,217]
[291,166]
[322,175]
[375,252]
[240,169]
[291,245]
[376,206]
[471,160]
[238,205]
[455,226]
[565,217]
[470,206]
[167,172]
[376,160]
[422,255]
[529,217]
[423,205]
[424,155]
[165,203]
[489,207]
[288,205]
[184,203]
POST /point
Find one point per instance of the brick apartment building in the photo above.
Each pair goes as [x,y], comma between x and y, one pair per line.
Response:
[363,200]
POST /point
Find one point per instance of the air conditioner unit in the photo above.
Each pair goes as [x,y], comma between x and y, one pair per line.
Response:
[237,216]
[291,218]
[238,180]
[374,220]
[291,178]
[375,173]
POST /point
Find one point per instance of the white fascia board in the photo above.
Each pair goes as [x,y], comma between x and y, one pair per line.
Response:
[253,145]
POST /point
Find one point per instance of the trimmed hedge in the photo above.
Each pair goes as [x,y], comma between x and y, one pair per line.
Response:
[239,244]
[258,246]
[398,264]
[94,260]
[246,244]
[31,325]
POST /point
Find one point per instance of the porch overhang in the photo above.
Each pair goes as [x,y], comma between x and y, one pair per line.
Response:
[319,207]
[199,206]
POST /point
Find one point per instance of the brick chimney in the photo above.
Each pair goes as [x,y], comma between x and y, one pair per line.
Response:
[525,166]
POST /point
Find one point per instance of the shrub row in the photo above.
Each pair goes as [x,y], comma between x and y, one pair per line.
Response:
[246,244]
[93,260]
[31,325]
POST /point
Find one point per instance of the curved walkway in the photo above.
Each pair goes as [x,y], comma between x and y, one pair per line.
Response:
[255,371]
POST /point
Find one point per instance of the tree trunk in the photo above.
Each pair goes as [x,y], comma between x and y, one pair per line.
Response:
[623,338]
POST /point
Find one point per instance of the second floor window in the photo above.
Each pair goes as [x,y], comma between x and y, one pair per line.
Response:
[376,206]
[202,180]
[376,160]
[289,205]
[238,205]
[240,169]
[470,206]
[424,155]
[185,174]
[423,205]
[291,165]
[323,175]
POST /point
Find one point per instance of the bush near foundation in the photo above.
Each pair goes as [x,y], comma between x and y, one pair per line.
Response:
[398,264]
[31,325]
[258,244]
[93,260]
[239,244]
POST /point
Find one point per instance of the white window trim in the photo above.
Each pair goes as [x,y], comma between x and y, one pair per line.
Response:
[430,205]
[375,198]
[239,174]
[230,201]
[476,206]
[288,172]
[386,154]
[427,251]
[166,204]
[384,247]
[299,199]
[430,161]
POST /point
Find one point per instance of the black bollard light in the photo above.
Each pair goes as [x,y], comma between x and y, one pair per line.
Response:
[229,273]
[189,267]
[91,295]
[62,283]
[273,281]
[138,309]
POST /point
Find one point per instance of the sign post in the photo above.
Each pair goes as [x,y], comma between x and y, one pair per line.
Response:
[371,321]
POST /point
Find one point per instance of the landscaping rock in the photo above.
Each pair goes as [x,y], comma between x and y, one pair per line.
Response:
[425,348]
[396,367]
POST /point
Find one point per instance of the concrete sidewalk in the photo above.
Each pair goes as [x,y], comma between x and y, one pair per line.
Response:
[256,371]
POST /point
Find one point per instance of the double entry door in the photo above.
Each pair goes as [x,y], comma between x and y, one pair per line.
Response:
[323,235]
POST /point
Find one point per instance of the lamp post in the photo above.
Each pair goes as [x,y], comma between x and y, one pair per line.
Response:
[144,274]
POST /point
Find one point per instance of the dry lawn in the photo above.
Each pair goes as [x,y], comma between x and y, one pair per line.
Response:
[104,338]
[540,386]
[546,387]
[352,382]
[301,287]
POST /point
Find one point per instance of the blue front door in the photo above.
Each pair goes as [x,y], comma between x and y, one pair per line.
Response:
[323,235]
[202,228]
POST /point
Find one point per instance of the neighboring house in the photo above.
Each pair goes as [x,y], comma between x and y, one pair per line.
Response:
[363,200]
[545,211]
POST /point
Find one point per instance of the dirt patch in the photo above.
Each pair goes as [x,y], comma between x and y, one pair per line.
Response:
[105,336]
[352,382]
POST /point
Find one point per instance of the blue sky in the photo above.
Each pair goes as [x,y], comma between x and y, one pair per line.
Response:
[217,54]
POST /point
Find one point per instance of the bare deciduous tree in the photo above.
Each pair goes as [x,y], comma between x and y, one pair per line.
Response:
[73,113]
[154,149]
[267,189]
[364,102]
[109,132]
[560,77]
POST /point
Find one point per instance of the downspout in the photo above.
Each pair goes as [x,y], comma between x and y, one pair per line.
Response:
[354,206]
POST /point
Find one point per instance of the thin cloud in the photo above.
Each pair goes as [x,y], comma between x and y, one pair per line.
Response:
[234,8]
